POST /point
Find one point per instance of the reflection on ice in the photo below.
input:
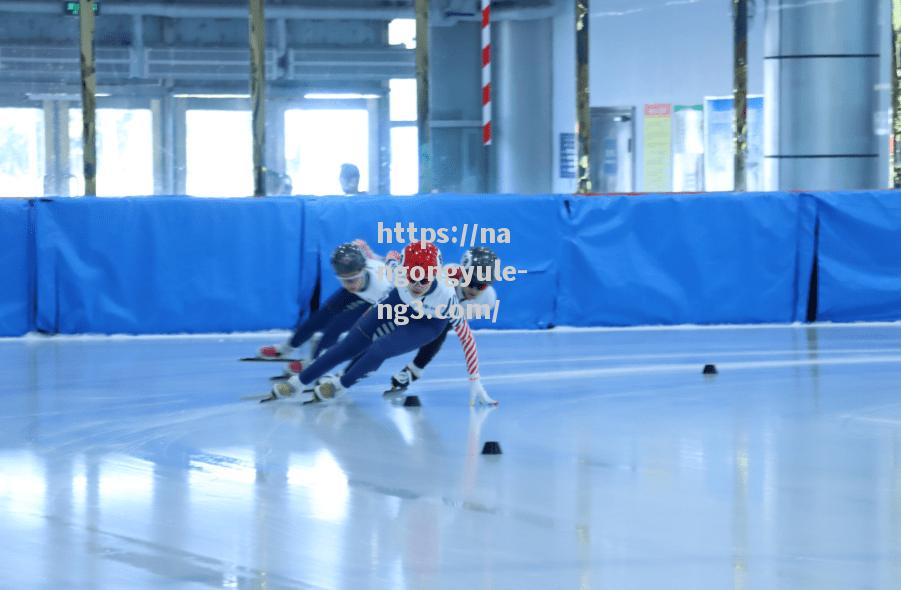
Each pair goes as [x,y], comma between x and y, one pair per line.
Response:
[325,484]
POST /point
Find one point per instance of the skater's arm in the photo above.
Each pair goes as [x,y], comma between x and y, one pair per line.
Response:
[468,342]
[477,393]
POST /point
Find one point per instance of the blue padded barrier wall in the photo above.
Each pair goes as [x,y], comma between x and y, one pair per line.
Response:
[534,240]
[16,268]
[859,256]
[675,259]
[177,264]
[168,264]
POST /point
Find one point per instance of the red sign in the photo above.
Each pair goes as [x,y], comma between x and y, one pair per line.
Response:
[658,110]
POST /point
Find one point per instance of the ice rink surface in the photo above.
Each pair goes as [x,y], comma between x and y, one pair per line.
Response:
[130,463]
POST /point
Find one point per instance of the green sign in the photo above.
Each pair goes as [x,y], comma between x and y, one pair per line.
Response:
[74,8]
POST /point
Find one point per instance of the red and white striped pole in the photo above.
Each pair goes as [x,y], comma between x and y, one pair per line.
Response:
[486,72]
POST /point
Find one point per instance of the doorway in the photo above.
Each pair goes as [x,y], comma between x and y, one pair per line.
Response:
[612,149]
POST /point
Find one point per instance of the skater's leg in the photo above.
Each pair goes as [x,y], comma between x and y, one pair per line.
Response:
[401,380]
[359,336]
[399,340]
[428,352]
[340,323]
[351,363]
[339,302]
[352,345]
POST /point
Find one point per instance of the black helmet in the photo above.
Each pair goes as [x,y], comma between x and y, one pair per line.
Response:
[482,260]
[348,259]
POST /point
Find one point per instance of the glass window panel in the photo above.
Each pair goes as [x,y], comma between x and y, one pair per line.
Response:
[402,101]
[719,147]
[404,161]
[219,153]
[402,31]
[21,152]
[318,141]
[124,152]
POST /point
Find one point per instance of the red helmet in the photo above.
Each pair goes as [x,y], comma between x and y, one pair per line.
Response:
[424,256]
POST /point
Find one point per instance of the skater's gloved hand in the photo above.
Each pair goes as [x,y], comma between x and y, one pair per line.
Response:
[478,395]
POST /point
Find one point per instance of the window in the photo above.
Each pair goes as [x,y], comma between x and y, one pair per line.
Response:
[318,141]
[124,152]
[404,160]
[218,153]
[21,152]
[404,137]
[403,99]
[719,146]
[402,31]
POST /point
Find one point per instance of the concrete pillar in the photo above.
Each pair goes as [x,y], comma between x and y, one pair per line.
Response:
[522,124]
[820,86]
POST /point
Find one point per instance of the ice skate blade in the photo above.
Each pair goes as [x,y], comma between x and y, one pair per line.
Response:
[256,359]
[259,397]
[393,392]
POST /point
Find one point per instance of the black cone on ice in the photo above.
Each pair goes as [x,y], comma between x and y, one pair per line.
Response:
[491,447]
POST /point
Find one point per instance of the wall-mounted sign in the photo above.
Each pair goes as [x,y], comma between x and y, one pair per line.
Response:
[74,8]
[658,153]
[567,155]
[719,144]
